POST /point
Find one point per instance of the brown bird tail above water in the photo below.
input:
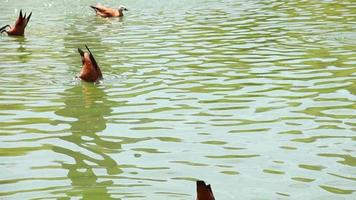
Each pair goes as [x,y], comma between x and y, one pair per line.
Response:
[98,8]
[91,71]
[19,28]
[22,21]
[204,192]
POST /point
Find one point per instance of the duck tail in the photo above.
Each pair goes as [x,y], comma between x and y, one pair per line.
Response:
[204,191]
[28,18]
[94,8]
[91,56]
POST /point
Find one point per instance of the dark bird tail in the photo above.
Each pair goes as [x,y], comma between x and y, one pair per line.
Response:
[94,8]
[92,58]
[29,17]
[204,191]
[81,52]
[21,16]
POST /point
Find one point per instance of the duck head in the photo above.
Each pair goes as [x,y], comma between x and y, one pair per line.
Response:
[122,8]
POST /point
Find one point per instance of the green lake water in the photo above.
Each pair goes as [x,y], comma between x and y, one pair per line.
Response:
[256,97]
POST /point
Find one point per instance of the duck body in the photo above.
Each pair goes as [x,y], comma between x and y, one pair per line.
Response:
[19,28]
[109,12]
[90,71]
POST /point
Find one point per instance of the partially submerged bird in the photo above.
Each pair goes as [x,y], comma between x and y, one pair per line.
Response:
[204,191]
[90,71]
[109,12]
[19,28]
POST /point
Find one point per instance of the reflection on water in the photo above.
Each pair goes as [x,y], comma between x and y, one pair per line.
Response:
[22,52]
[88,105]
[255,97]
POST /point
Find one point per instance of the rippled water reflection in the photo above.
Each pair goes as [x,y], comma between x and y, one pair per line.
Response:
[255,97]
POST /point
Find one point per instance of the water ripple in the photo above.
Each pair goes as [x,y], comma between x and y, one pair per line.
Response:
[238,93]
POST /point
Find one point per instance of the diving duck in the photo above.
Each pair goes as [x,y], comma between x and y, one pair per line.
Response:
[109,12]
[204,191]
[90,71]
[19,28]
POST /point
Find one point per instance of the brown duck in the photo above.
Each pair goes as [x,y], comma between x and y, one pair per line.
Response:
[19,28]
[109,12]
[90,71]
[204,191]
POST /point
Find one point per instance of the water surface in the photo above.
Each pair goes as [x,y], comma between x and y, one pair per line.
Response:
[255,97]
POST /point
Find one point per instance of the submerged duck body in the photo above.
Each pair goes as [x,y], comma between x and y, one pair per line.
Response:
[109,12]
[19,28]
[90,70]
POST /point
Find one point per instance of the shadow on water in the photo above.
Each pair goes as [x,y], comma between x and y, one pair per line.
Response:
[88,105]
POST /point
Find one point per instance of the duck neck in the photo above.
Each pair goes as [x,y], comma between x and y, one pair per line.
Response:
[121,13]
